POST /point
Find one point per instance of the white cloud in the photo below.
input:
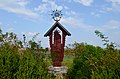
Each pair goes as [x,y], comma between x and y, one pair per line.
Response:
[77,23]
[112,24]
[18,7]
[42,8]
[47,6]
[115,6]
[10,29]
[55,6]
[111,6]
[114,2]
[29,34]
[71,13]
[0,23]
[106,9]
[95,14]
[66,7]
[111,28]
[84,2]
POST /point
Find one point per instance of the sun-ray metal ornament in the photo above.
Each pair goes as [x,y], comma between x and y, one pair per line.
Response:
[56,15]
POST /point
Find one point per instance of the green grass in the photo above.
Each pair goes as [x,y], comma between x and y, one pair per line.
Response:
[68,61]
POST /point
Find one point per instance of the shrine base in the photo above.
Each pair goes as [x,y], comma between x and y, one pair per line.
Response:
[58,71]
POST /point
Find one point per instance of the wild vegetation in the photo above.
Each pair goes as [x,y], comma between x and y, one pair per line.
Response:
[27,60]
[92,62]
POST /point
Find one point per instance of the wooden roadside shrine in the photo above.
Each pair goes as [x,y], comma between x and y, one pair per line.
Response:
[57,42]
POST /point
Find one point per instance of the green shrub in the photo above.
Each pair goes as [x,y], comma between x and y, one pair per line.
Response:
[82,64]
[32,66]
[92,62]
[9,62]
[22,65]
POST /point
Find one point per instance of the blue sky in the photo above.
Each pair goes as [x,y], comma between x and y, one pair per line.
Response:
[80,17]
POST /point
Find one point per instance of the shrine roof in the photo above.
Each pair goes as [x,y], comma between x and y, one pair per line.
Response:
[57,24]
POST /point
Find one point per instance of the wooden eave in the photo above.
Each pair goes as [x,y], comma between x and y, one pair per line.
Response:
[57,24]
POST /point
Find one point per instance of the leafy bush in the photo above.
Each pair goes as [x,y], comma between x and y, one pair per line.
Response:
[92,62]
[25,65]
[84,61]
[17,62]
[81,64]
[9,62]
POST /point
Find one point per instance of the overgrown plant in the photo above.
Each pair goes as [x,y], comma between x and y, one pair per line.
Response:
[16,63]
[105,40]
[92,62]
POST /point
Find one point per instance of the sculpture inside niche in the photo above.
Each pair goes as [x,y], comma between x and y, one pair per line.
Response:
[57,53]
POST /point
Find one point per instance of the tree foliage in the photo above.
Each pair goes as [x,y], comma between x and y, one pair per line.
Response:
[26,60]
[17,62]
[93,62]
